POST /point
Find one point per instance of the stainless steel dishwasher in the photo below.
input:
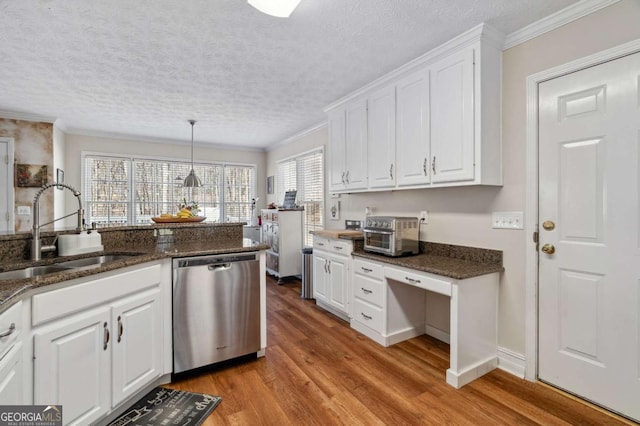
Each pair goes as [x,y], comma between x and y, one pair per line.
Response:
[216,309]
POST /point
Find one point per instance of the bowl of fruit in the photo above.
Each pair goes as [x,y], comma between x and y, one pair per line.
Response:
[187,212]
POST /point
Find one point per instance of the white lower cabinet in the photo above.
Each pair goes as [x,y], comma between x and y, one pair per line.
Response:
[12,377]
[91,358]
[331,275]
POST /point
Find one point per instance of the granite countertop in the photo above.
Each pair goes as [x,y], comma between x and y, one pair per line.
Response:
[13,290]
[457,262]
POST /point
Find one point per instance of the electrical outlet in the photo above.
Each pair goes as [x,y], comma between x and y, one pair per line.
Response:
[507,220]
[423,216]
[24,210]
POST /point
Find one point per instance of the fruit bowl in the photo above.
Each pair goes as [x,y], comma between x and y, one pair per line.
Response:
[176,219]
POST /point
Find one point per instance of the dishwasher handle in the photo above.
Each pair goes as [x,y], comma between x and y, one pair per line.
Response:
[219,267]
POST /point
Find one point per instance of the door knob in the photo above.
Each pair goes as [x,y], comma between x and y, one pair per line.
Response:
[548,249]
[548,225]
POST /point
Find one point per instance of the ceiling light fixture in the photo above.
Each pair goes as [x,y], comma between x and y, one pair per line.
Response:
[277,8]
[192,181]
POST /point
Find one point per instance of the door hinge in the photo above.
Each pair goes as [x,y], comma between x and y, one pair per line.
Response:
[535,237]
[6,159]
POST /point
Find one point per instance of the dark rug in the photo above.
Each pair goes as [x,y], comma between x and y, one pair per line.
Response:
[163,406]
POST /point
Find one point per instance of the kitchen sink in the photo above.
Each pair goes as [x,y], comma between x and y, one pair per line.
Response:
[95,260]
[70,265]
[32,272]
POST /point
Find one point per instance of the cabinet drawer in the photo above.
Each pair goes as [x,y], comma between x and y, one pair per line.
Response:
[93,292]
[11,325]
[320,243]
[368,289]
[340,247]
[369,269]
[426,281]
[367,314]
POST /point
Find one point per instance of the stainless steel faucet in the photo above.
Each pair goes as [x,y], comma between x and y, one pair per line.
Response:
[36,245]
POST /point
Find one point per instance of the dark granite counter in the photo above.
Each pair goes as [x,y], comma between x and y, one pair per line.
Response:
[447,260]
[145,243]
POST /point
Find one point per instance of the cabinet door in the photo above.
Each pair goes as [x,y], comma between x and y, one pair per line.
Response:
[412,143]
[320,271]
[137,343]
[337,163]
[338,280]
[356,145]
[72,366]
[12,377]
[382,138]
[452,118]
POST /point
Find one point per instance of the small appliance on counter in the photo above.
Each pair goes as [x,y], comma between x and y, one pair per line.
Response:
[392,235]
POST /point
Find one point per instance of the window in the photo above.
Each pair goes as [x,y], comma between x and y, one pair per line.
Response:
[132,190]
[304,173]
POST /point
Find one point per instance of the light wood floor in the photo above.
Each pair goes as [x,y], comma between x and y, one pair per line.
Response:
[318,371]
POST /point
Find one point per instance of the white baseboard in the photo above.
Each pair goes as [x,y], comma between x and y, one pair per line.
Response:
[469,374]
[436,333]
[511,362]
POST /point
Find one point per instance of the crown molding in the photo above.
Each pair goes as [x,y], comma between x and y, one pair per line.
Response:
[297,136]
[25,116]
[127,137]
[481,31]
[556,20]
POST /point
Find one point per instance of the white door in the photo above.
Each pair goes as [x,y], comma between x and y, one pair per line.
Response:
[72,366]
[452,119]
[6,184]
[589,291]
[12,377]
[337,268]
[320,273]
[137,343]
[412,131]
[382,138]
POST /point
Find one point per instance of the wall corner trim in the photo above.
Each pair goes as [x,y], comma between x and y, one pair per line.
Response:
[555,20]
[511,362]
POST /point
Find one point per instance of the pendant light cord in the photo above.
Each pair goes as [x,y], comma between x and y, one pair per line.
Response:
[192,123]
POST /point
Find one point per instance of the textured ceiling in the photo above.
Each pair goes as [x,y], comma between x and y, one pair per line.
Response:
[142,68]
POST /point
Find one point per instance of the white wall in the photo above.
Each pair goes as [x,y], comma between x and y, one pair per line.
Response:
[462,216]
[75,145]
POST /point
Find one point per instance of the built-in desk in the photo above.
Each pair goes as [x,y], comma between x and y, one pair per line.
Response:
[389,306]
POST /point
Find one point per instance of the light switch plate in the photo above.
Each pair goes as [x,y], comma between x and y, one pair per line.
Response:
[507,220]
[24,210]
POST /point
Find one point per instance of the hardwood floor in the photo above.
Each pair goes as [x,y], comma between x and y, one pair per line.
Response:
[318,371]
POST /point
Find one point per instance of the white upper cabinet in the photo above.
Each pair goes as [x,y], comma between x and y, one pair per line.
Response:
[382,138]
[433,122]
[412,120]
[452,115]
[356,145]
[348,147]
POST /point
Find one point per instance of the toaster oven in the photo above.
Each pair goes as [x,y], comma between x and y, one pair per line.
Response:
[391,235]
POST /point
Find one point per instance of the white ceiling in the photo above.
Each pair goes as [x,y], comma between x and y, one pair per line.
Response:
[142,68]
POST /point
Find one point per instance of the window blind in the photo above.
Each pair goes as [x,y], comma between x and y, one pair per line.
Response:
[132,190]
[305,173]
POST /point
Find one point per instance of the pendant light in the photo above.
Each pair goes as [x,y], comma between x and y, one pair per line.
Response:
[277,8]
[192,181]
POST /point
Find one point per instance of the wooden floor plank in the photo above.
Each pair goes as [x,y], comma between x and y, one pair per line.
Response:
[319,371]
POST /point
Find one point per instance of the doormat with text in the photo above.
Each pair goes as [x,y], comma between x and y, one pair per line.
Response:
[163,406]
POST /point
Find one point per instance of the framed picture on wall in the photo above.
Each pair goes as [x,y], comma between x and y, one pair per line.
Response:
[270,188]
[30,175]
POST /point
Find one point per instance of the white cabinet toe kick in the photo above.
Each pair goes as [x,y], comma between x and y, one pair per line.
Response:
[390,306]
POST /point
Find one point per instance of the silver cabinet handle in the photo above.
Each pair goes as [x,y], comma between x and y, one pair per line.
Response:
[321,244]
[343,182]
[391,171]
[366,290]
[329,266]
[411,280]
[347,177]
[366,316]
[106,337]
[120,329]
[424,166]
[10,331]
[325,267]
[433,165]
[337,247]
[366,269]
